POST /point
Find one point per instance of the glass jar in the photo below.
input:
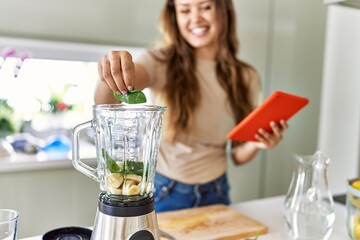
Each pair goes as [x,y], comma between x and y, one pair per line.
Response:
[353,210]
[127,140]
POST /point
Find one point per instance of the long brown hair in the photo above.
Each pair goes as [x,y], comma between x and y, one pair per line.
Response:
[182,91]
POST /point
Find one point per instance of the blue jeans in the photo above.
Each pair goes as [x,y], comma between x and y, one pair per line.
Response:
[173,195]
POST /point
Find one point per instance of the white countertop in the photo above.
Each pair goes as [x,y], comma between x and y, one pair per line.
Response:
[20,162]
[33,163]
[269,212]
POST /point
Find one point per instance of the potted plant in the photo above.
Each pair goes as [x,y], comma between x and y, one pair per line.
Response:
[7,127]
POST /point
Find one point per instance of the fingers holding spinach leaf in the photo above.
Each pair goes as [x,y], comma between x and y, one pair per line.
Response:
[131,97]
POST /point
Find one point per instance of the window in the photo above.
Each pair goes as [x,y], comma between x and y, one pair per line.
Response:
[40,82]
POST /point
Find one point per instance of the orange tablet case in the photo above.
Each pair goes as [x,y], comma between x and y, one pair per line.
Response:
[278,106]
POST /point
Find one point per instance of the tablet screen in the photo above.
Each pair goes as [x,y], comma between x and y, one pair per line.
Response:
[278,106]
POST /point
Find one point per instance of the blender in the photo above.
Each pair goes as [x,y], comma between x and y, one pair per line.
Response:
[127,139]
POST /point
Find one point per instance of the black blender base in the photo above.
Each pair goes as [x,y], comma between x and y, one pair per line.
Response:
[116,208]
[142,235]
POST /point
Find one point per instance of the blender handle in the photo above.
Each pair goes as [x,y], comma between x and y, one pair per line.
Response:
[78,164]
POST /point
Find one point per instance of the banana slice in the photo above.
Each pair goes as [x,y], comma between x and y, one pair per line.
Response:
[134,177]
[126,186]
[134,190]
[356,227]
[142,186]
[115,191]
[115,180]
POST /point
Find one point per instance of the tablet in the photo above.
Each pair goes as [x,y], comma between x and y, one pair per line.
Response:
[278,106]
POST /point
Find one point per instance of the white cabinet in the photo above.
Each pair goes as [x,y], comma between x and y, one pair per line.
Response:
[339,129]
[49,198]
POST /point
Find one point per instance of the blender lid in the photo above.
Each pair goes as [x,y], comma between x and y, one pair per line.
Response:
[68,233]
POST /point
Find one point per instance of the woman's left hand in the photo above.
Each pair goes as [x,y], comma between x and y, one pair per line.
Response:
[267,140]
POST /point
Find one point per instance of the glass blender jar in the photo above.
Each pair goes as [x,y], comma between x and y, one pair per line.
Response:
[127,139]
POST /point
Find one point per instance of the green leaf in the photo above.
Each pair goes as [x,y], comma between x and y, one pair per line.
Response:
[131,167]
[134,167]
[8,122]
[256,237]
[110,163]
[132,97]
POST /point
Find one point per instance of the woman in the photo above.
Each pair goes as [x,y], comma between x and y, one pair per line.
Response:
[207,90]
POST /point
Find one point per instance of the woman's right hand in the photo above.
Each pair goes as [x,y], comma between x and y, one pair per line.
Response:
[117,71]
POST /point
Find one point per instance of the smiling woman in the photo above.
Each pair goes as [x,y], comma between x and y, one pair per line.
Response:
[198,75]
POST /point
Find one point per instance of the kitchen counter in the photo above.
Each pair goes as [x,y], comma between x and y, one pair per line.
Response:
[30,163]
[269,212]
[21,162]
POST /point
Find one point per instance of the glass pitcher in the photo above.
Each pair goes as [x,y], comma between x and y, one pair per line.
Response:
[309,207]
[127,139]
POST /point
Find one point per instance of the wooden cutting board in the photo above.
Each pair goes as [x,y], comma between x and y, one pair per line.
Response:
[215,222]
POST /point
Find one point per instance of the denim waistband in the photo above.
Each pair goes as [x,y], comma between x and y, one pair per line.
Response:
[190,188]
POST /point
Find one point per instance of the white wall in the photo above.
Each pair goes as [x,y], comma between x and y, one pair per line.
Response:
[111,22]
[286,46]
[283,39]
[295,65]
[59,50]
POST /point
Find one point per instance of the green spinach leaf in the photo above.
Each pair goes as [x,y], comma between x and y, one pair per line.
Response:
[132,97]
[131,167]
[110,163]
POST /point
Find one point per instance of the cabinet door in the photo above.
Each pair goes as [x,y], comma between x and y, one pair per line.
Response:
[339,129]
[49,199]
